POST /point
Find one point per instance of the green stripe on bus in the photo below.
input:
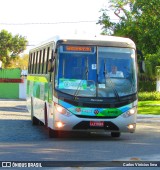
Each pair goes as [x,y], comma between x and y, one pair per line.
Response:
[37,79]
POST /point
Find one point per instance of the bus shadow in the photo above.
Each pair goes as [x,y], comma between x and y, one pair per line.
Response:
[85,136]
[24,131]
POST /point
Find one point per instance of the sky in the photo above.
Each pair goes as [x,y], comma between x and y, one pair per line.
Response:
[39,20]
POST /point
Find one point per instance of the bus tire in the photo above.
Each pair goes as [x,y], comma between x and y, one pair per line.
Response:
[35,121]
[115,134]
[45,116]
[52,133]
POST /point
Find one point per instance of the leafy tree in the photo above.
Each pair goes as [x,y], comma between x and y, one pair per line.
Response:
[10,46]
[154,60]
[138,20]
[20,62]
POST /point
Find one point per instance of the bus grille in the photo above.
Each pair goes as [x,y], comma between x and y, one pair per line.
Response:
[96,117]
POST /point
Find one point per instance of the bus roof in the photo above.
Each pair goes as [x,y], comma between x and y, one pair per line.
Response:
[101,40]
[92,38]
[95,40]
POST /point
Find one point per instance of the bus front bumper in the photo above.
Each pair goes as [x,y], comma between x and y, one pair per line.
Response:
[73,123]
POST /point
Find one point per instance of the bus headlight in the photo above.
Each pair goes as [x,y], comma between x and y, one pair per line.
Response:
[62,110]
[130,112]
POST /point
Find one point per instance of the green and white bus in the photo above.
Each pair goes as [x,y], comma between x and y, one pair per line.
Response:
[70,86]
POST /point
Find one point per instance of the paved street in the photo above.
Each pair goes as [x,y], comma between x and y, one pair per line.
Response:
[21,141]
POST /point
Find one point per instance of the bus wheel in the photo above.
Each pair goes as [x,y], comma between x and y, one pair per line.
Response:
[52,133]
[45,116]
[115,134]
[35,121]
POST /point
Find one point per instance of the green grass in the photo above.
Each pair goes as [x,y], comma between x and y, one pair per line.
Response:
[149,107]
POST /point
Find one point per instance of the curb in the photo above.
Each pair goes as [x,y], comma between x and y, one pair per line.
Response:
[12,100]
[148,118]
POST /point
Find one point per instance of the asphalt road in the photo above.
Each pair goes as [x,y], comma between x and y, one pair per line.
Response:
[20,141]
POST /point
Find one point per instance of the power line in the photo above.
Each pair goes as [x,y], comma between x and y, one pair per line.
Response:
[50,23]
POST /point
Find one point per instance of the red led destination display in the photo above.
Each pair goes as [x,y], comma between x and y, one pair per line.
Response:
[78,48]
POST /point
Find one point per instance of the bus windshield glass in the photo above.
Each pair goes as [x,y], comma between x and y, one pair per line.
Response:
[90,71]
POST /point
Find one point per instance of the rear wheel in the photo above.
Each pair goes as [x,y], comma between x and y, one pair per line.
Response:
[45,116]
[115,134]
[35,121]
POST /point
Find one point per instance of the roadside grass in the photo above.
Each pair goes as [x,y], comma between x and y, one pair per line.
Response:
[149,107]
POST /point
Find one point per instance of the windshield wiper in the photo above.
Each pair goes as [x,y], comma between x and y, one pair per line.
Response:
[79,85]
[110,81]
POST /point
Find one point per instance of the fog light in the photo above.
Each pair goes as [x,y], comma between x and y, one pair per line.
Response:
[131,126]
[59,124]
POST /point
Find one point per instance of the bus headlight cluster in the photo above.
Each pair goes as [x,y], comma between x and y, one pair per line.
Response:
[62,110]
[130,112]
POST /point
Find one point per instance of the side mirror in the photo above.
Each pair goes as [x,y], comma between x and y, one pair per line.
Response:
[142,67]
[51,65]
[141,63]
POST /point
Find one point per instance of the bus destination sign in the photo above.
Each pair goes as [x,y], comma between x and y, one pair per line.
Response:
[79,48]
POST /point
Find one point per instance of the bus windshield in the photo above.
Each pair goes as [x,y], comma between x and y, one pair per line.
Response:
[90,71]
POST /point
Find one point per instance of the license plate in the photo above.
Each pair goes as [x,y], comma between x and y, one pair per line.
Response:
[96,124]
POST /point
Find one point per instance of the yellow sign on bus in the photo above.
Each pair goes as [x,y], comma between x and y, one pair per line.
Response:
[78,48]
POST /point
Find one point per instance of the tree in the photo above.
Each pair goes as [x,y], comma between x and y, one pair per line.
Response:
[10,46]
[137,19]
[20,62]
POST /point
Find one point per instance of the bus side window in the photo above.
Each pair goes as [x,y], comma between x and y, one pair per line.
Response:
[36,62]
[47,58]
[51,62]
[33,60]
[40,64]
[43,60]
[30,63]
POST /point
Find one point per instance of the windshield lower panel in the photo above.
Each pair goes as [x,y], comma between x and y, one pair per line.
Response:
[89,71]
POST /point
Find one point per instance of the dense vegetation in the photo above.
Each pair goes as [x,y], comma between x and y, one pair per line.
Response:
[140,21]
[143,96]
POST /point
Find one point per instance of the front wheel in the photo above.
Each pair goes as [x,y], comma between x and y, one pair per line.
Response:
[53,133]
[115,134]
[35,121]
